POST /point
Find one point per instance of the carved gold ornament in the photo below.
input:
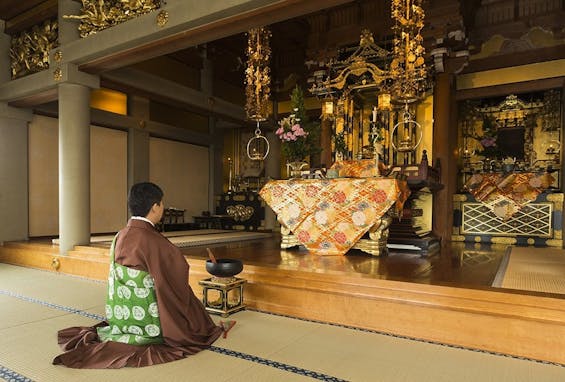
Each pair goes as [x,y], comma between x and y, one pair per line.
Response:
[408,68]
[58,56]
[97,15]
[257,74]
[55,263]
[162,18]
[58,74]
[29,50]
[240,213]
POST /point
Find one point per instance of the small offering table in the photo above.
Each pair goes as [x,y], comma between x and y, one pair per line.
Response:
[330,216]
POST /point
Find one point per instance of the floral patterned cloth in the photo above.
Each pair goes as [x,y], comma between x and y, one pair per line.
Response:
[506,194]
[364,168]
[329,216]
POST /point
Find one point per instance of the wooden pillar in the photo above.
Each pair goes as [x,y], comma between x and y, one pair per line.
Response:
[326,142]
[444,147]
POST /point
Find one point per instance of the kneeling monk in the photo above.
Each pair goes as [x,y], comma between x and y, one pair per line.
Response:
[152,313]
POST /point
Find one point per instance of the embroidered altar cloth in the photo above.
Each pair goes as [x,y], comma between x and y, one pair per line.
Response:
[363,168]
[506,194]
[329,216]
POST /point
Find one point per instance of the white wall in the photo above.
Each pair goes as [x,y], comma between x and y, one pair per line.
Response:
[13,179]
[181,170]
[43,177]
[108,178]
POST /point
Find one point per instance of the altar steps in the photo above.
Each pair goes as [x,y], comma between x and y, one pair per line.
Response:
[500,321]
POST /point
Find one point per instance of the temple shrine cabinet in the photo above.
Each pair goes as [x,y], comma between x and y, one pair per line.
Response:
[510,160]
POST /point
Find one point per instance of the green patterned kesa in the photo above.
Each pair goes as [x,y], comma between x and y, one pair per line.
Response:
[131,306]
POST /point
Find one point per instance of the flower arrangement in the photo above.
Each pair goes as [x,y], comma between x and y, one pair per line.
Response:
[298,135]
[509,161]
[293,138]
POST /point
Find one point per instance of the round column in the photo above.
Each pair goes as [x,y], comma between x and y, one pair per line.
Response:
[74,166]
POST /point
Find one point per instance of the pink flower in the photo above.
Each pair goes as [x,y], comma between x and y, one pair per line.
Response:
[300,132]
[279,131]
[295,127]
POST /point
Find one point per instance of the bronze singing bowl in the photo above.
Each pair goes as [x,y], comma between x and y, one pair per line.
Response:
[224,267]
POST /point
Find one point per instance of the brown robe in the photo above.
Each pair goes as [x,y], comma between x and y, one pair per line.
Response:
[186,326]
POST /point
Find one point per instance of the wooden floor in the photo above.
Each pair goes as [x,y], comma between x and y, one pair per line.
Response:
[457,264]
[445,298]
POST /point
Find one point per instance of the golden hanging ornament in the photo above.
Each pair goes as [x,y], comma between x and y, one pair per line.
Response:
[257,74]
[408,68]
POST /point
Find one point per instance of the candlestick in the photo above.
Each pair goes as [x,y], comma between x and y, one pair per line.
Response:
[230,166]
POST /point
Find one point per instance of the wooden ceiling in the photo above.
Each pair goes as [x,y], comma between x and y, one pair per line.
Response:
[19,15]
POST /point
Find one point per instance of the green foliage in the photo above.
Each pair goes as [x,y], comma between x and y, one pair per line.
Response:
[300,137]
[339,143]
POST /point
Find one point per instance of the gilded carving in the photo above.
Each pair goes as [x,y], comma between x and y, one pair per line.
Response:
[558,234]
[97,15]
[457,238]
[162,18]
[58,56]
[239,212]
[29,50]
[58,74]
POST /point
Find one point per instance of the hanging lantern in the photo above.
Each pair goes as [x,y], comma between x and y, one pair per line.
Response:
[258,146]
[406,134]
[328,109]
[383,101]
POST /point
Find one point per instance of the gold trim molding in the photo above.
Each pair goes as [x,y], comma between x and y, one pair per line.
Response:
[503,240]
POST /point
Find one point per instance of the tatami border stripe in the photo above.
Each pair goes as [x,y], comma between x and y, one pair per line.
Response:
[275,364]
[51,305]
[219,350]
[11,376]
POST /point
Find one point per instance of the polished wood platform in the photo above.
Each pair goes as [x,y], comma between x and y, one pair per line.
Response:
[445,297]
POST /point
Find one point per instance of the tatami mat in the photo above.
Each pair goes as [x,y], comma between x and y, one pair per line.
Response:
[261,347]
[533,269]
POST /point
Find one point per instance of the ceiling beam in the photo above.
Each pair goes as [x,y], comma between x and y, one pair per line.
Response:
[25,19]
[209,27]
[161,89]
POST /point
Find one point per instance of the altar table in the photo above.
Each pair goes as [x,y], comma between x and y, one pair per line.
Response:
[330,216]
[506,193]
